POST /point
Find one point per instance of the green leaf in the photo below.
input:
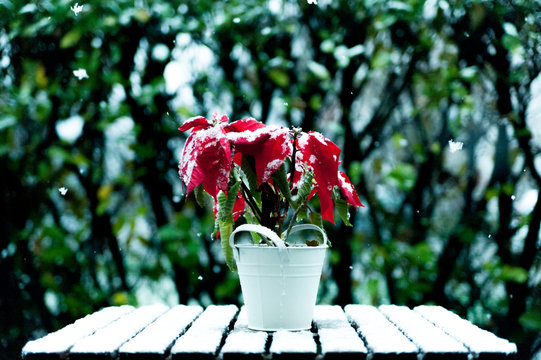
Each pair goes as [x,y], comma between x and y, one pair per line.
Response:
[513,274]
[531,319]
[252,179]
[71,38]
[402,176]
[201,196]
[342,207]
[225,224]
[320,71]
[305,188]
[279,77]
[280,179]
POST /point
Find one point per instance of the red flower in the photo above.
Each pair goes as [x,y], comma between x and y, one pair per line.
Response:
[206,159]
[269,145]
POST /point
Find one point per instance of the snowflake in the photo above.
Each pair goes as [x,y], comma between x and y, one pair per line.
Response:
[63,190]
[314,2]
[77,8]
[80,74]
[455,145]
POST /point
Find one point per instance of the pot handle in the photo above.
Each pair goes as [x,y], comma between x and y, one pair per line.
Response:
[261,230]
[302,227]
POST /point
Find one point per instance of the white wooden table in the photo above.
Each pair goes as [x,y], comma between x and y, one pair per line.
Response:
[221,332]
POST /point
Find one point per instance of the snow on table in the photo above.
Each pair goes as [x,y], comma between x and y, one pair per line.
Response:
[59,342]
[185,332]
[298,345]
[431,340]
[383,339]
[481,342]
[336,336]
[110,338]
[154,341]
[204,337]
[243,343]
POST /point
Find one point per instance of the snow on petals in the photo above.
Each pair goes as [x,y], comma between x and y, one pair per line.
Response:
[195,123]
[269,145]
[322,155]
[206,160]
[347,190]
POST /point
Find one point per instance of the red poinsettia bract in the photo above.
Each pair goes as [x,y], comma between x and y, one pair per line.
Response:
[207,158]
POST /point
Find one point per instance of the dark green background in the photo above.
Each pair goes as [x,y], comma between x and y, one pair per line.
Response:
[391,82]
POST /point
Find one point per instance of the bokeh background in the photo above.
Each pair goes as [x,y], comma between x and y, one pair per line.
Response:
[92,212]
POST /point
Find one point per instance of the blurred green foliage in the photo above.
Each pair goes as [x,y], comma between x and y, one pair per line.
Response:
[391,82]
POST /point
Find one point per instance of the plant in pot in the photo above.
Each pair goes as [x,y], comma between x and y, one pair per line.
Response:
[281,182]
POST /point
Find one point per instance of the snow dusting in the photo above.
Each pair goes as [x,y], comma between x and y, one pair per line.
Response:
[429,338]
[476,339]
[80,74]
[330,317]
[455,146]
[77,8]
[380,334]
[110,338]
[205,334]
[61,340]
[157,337]
[245,342]
[341,340]
[289,342]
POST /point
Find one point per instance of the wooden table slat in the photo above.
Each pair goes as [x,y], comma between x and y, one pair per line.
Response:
[59,342]
[433,342]
[338,340]
[205,335]
[243,343]
[159,336]
[481,342]
[298,345]
[382,338]
[110,338]
[357,332]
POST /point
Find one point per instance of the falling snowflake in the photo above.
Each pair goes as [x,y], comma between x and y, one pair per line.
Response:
[80,74]
[455,145]
[312,2]
[199,278]
[63,190]
[77,8]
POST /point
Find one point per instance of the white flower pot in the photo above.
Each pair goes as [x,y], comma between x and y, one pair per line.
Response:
[279,284]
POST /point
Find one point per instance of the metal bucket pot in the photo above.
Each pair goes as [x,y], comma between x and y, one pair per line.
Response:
[279,284]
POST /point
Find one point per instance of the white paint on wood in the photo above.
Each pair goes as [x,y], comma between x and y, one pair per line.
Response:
[205,334]
[111,337]
[381,336]
[63,339]
[424,334]
[159,335]
[476,339]
[293,342]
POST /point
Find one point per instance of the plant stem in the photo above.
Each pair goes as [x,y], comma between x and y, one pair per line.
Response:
[250,200]
[294,219]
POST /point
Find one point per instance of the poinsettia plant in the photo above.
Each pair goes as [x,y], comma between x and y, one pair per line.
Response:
[268,174]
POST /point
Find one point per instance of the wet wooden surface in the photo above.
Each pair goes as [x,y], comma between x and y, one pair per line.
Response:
[221,332]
